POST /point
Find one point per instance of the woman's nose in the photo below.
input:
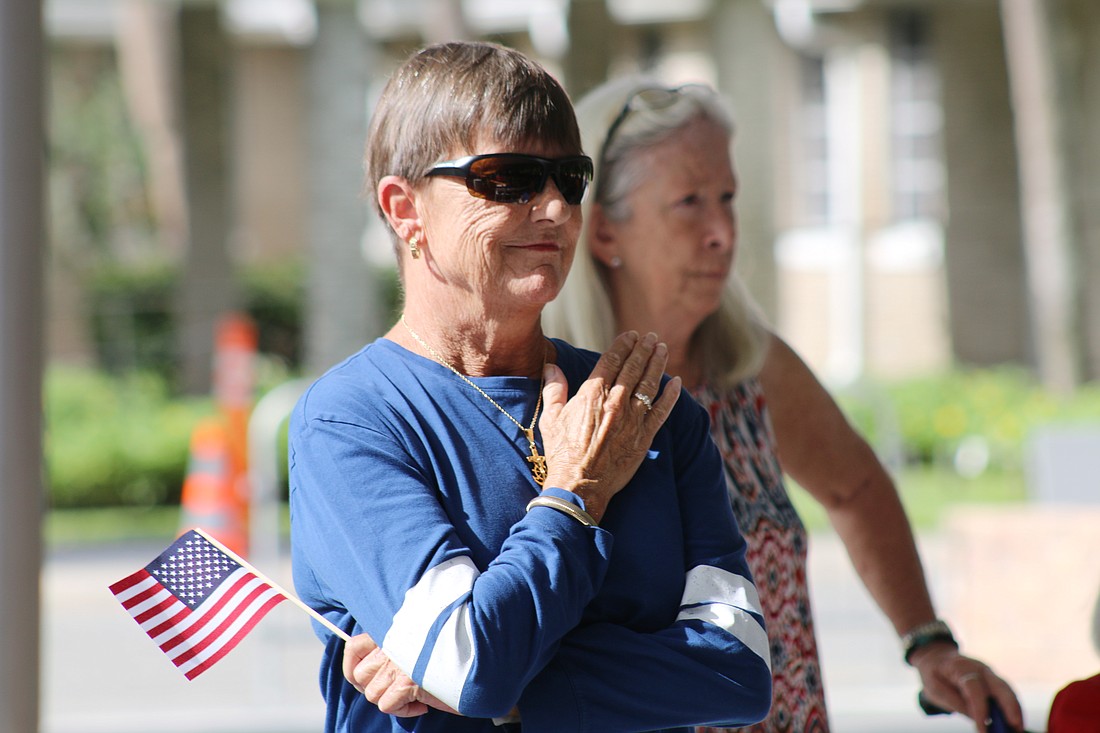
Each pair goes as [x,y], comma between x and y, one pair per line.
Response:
[550,204]
[721,231]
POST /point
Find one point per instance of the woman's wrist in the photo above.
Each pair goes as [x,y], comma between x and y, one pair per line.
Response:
[583,491]
[564,506]
[924,635]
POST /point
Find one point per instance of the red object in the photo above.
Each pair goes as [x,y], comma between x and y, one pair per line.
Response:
[1076,708]
[211,497]
[195,602]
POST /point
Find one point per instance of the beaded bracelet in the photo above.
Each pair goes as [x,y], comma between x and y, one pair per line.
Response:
[927,633]
[553,502]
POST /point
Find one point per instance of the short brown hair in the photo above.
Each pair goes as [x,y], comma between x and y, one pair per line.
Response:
[444,97]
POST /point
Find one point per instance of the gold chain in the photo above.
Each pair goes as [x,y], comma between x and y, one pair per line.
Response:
[538,462]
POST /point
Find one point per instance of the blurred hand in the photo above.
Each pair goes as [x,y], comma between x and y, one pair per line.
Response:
[595,441]
[964,685]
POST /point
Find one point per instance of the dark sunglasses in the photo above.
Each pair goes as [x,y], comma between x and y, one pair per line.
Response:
[514,178]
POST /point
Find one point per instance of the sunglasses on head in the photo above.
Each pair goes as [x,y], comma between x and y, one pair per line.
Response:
[652,99]
[514,178]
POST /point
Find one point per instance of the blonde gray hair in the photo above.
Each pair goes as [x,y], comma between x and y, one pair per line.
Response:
[731,342]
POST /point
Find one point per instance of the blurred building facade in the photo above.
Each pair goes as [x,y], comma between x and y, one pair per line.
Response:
[888,227]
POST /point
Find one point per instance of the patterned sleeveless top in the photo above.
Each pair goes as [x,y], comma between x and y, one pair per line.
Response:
[742,429]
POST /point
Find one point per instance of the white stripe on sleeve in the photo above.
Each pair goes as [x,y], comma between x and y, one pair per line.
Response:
[452,653]
[723,599]
[452,658]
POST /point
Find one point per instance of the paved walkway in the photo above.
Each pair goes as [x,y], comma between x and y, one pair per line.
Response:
[102,675]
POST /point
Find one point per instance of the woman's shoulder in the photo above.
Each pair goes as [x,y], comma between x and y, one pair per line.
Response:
[366,382]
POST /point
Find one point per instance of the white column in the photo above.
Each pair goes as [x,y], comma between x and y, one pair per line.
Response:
[21,263]
[844,110]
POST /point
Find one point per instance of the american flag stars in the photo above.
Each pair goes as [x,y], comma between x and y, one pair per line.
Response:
[192,570]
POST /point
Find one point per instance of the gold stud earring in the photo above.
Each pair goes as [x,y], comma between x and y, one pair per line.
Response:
[414,247]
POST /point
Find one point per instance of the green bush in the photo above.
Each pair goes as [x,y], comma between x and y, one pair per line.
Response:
[132,319]
[116,441]
[133,315]
[274,295]
[934,416]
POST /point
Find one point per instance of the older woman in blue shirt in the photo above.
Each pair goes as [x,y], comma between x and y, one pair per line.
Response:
[514,531]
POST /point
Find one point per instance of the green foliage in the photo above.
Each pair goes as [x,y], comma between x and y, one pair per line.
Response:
[274,295]
[132,319]
[116,441]
[997,408]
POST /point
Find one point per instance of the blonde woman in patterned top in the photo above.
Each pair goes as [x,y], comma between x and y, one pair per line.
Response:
[656,254]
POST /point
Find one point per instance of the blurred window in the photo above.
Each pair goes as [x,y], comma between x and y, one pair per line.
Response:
[916,121]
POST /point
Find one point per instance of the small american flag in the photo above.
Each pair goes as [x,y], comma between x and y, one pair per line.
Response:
[196,601]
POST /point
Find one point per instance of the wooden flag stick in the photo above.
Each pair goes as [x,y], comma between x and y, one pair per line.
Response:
[289,596]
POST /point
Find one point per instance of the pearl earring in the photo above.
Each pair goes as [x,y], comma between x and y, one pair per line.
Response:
[616,262]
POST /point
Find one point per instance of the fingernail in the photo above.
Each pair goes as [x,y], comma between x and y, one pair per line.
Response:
[650,338]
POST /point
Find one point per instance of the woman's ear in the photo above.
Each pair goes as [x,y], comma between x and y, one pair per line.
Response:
[398,202]
[603,237]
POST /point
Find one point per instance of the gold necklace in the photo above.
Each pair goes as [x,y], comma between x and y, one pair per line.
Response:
[538,462]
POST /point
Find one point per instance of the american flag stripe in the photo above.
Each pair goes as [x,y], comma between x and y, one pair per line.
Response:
[166,603]
[156,626]
[153,591]
[232,636]
[207,622]
[132,585]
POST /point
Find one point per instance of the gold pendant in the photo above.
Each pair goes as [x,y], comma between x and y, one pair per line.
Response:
[538,463]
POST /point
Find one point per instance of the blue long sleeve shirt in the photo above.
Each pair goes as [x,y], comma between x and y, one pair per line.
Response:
[407,493]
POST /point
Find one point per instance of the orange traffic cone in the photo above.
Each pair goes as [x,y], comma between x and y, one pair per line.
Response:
[209,497]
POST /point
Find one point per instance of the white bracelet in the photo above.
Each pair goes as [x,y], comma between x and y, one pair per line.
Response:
[924,634]
[553,502]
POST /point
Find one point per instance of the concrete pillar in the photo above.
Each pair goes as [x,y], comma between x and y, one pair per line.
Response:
[342,310]
[751,63]
[1084,162]
[989,319]
[591,34]
[22,242]
[1032,29]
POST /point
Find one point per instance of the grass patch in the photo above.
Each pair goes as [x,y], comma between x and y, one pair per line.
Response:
[66,527]
[111,524]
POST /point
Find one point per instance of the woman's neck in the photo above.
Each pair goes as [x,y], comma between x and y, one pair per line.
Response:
[685,366]
[476,346]
[683,359]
